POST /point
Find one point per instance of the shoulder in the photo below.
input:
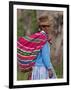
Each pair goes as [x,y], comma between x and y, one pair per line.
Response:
[42,32]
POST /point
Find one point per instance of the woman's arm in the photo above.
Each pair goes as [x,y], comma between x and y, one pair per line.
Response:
[46,59]
[46,56]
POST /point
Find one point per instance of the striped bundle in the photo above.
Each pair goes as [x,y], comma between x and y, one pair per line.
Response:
[27,49]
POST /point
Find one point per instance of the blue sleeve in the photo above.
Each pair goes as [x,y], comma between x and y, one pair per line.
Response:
[46,56]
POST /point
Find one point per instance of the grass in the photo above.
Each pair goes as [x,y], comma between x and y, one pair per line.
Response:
[22,75]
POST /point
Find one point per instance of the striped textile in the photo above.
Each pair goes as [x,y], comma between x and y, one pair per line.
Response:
[27,49]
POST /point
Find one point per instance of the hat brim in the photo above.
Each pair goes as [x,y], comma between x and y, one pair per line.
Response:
[44,23]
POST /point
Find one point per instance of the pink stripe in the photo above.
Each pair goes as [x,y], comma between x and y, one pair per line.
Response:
[38,35]
[34,47]
[26,46]
[31,46]
[23,59]
[24,41]
[26,65]
[22,69]
[23,48]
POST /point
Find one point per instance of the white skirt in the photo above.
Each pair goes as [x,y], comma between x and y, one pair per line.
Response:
[40,72]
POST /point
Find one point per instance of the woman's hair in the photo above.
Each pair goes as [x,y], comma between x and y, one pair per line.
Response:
[43,20]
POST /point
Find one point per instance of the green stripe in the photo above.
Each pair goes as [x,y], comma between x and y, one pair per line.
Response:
[33,60]
[26,53]
[37,50]
[32,39]
[23,53]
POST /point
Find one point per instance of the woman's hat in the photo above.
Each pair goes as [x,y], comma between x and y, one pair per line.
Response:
[44,20]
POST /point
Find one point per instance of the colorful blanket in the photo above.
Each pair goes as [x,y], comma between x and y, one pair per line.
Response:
[28,48]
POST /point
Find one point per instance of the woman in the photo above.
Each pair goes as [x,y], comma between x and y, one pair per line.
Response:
[43,68]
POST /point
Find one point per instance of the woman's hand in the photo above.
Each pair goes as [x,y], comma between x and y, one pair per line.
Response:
[50,73]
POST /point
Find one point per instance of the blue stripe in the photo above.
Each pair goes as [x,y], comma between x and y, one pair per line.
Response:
[24,62]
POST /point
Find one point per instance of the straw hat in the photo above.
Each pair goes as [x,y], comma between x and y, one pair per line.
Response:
[43,20]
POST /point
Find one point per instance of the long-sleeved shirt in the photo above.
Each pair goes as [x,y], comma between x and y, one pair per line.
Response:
[43,58]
